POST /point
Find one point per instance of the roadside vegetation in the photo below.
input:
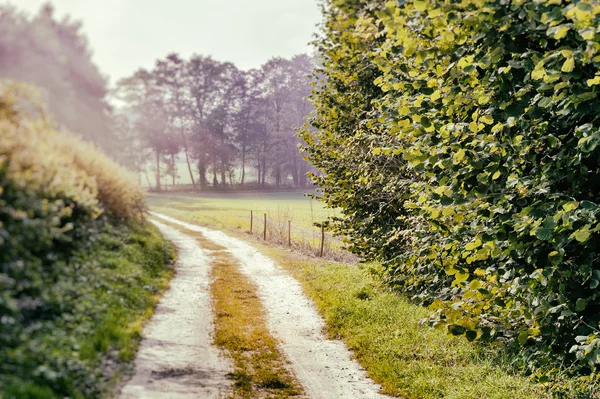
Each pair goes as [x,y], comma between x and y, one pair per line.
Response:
[241,329]
[80,270]
[461,141]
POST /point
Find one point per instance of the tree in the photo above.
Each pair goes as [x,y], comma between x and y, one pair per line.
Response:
[171,75]
[55,56]
[147,105]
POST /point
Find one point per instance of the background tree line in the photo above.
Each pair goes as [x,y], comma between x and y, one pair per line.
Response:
[223,122]
[196,121]
[54,55]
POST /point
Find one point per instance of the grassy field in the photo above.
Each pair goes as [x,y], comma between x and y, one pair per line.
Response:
[408,359]
[231,211]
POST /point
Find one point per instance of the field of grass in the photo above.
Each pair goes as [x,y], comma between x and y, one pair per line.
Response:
[231,211]
[409,360]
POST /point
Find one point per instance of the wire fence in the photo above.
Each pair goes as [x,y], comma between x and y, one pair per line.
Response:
[279,227]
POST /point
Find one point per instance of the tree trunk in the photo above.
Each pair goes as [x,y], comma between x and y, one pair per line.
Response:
[264,171]
[243,165]
[189,165]
[158,170]
[147,178]
[258,171]
[223,172]
[278,176]
[173,169]
[202,171]
[295,176]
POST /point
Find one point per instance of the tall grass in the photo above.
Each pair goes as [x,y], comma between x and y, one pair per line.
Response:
[57,164]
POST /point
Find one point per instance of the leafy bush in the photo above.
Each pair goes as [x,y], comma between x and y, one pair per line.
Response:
[79,269]
[461,139]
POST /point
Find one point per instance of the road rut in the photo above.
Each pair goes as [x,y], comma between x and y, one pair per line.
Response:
[176,359]
[324,367]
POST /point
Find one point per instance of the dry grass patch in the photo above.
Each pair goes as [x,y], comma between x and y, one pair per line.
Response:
[241,330]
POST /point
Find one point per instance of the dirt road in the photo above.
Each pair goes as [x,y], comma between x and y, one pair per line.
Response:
[177,359]
[324,367]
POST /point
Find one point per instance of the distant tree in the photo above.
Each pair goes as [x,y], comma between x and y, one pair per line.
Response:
[55,56]
[150,115]
[171,75]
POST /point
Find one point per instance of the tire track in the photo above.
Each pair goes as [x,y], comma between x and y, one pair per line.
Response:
[177,359]
[324,367]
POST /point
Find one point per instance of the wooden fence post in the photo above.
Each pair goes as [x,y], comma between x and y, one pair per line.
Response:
[289,233]
[322,239]
[251,220]
[265,231]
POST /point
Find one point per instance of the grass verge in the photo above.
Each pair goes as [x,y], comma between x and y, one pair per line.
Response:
[409,360]
[241,329]
[96,309]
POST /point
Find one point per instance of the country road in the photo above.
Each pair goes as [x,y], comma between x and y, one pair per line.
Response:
[177,359]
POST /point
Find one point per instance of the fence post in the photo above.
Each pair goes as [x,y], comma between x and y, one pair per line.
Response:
[322,238]
[265,231]
[289,233]
[251,220]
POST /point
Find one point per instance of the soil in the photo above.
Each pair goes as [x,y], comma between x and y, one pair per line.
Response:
[177,359]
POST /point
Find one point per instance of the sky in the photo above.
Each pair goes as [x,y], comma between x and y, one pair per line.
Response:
[125,35]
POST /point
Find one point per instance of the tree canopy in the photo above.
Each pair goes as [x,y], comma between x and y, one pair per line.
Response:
[54,55]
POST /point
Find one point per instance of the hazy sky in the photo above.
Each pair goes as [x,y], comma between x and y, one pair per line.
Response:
[128,34]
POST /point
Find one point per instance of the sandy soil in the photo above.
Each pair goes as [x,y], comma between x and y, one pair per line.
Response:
[176,359]
[324,367]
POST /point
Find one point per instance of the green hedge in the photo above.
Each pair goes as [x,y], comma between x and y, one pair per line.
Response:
[461,141]
[79,269]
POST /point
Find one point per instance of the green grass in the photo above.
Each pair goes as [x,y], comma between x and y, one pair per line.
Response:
[105,294]
[210,208]
[409,360]
[231,211]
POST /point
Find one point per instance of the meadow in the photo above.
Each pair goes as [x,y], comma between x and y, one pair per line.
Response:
[232,210]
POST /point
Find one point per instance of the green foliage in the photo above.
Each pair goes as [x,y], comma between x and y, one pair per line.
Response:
[461,140]
[408,359]
[79,270]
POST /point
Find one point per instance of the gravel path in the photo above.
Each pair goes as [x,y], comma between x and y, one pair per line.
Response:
[176,359]
[324,367]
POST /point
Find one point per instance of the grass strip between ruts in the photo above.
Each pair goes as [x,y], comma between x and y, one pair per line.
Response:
[241,330]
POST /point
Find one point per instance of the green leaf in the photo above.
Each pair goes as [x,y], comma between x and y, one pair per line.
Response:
[543,234]
[559,32]
[554,257]
[471,335]
[455,329]
[580,305]
[523,337]
[569,65]
[582,235]
[473,245]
